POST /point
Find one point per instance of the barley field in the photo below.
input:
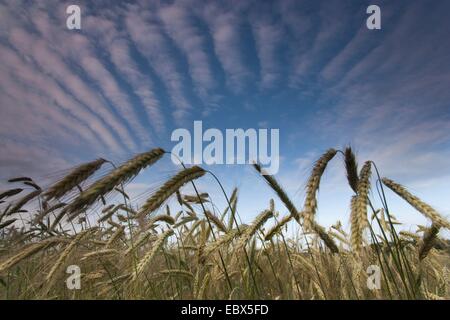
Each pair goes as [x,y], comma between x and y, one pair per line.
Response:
[189,251]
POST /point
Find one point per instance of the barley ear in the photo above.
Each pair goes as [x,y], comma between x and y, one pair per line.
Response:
[169,188]
[356,227]
[310,205]
[118,176]
[416,203]
[151,254]
[362,199]
[73,179]
[428,241]
[351,167]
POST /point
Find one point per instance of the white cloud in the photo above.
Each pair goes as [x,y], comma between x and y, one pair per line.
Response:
[225,26]
[180,26]
[268,38]
[148,36]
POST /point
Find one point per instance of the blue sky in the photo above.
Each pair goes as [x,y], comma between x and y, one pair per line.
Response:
[138,70]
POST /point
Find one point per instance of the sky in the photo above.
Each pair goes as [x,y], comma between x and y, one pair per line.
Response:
[136,71]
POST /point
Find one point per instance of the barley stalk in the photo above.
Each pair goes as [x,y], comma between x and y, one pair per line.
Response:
[273,183]
[98,253]
[7,223]
[221,241]
[201,292]
[216,221]
[177,272]
[111,212]
[428,241]
[416,203]
[23,202]
[277,227]
[118,176]
[28,252]
[169,188]
[329,242]
[10,193]
[362,199]
[356,227]
[151,254]
[66,253]
[119,232]
[255,226]
[310,205]
[162,217]
[351,167]
[73,179]
[140,242]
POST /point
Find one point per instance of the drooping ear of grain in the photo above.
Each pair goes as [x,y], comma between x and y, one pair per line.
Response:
[122,174]
[362,199]
[201,198]
[177,272]
[10,193]
[323,235]
[339,237]
[38,218]
[222,241]
[162,217]
[255,226]
[111,212]
[67,251]
[169,188]
[115,236]
[27,252]
[310,205]
[7,223]
[273,183]
[428,241]
[19,204]
[57,220]
[20,179]
[410,235]
[151,254]
[216,221]
[416,203]
[277,227]
[351,167]
[144,238]
[73,179]
[99,253]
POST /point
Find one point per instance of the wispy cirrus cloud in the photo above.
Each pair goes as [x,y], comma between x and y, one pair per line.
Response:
[149,37]
[142,85]
[269,43]
[180,26]
[225,26]
[51,51]
[47,86]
